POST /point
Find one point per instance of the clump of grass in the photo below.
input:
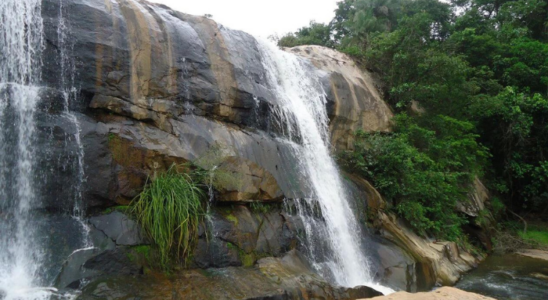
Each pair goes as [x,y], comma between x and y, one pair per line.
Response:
[539,237]
[169,210]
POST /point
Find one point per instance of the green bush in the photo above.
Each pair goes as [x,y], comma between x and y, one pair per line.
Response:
[169,210]
[421,172]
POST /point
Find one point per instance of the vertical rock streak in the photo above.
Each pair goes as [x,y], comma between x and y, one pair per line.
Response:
[69,94]
[334,247]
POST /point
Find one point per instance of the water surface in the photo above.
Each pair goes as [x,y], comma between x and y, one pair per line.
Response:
[509,277]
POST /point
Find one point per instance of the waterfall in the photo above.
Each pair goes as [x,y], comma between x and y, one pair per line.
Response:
[29,250]
[334,247]
[21,44]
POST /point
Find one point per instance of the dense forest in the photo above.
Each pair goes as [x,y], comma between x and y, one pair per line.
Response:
[468,81]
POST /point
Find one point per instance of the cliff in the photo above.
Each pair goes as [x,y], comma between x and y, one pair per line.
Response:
[158,87]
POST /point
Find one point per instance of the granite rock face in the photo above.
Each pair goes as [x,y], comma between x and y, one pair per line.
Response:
[354,101]
[159,87]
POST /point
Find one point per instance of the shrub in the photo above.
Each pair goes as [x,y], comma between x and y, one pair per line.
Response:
[421,172]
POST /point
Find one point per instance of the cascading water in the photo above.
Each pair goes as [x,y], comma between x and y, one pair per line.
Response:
[302,111]
[20,44]
[27,161]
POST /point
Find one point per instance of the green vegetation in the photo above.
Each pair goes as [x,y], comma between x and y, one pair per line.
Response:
[478,72]
[515,235]
[120,208]
[232,219]
[259,207]
[173,204]
[170,209]
[421,172]
[536,236]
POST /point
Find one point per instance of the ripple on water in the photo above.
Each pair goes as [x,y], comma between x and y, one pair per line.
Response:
[509,277]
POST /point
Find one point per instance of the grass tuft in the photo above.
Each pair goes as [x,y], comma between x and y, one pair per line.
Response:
[169,210]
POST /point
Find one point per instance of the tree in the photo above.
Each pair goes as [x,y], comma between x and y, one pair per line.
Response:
[314,34]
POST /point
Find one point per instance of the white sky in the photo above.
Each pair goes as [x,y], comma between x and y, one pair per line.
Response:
[259,17]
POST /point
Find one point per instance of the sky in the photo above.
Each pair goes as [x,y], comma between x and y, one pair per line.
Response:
[259,17]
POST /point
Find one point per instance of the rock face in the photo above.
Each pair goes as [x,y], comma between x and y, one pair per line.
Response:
[354,101]
[162,87]
[278,279]
[159,88]
[418,263]
[445,293]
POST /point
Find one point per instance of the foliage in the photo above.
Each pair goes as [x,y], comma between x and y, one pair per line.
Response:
[477,70]
[483,63]
[169,210]
[513,236]
[539,237]
[314,34]
[423,173]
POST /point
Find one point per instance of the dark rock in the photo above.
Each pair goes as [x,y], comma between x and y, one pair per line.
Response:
[114,262]
[238,236]
[215,253]
[271,278]
[118,227]
[73,272]
[362,292]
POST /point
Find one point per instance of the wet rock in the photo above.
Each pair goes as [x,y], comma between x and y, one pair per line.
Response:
[239,236]
[161,87]
[354,101]
[215,253]
[73,273]
[283,278]
[118,227]
[114,262]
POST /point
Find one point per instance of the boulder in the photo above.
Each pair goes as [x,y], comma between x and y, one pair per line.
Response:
[533,253]
[441,262]
[444,293]
[119,228]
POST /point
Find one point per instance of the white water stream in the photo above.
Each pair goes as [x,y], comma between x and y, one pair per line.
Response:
[21,44]
[24,262]
[303,112]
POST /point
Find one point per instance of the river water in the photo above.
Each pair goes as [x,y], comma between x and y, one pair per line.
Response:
[509,277]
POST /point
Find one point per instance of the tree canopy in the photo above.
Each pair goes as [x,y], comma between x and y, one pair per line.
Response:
[478,64]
